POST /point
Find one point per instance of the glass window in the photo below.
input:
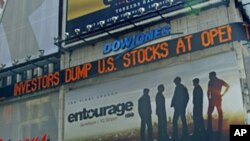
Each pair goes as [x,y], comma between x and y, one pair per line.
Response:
[35,72]
[29,74]
[3,81]
[23,76]
[45,69]
[13,78]
[56,66]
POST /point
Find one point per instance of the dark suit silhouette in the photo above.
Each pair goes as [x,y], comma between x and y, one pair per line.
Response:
[144,109]
[179,102]
[215,98]
[161,113]
[198,108]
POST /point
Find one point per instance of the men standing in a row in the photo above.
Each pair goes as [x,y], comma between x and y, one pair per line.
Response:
[215,98]
[179,103]
[199,127]
[144,109]
[161,113]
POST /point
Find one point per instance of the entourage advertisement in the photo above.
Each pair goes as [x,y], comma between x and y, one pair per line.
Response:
[191,101]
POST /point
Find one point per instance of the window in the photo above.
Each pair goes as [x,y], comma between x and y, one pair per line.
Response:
[35,72]
[9,80]
[23,76]
[46,69]
[51,68]
[3,81]
[29,74]
[13,78]
[56,67]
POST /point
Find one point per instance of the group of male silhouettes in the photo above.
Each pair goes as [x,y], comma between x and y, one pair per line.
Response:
[179,103]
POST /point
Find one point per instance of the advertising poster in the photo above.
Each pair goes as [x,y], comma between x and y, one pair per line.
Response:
[91,12]
[154,105]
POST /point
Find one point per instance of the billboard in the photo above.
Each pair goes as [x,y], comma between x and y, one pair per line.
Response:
[27,27]
[81,14]
[116,111]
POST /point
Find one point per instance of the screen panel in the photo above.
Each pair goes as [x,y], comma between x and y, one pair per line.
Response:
[110,111]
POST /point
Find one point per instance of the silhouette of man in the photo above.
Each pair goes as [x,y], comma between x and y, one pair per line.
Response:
[214,98]
[161,113]
[198,108]
[144,109]
[179,103]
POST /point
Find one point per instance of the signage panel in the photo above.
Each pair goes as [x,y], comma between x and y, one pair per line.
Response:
[131,42]
[81,14]
[151,53]
[115,111]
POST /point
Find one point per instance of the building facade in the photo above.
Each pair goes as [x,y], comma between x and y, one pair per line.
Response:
[113,53]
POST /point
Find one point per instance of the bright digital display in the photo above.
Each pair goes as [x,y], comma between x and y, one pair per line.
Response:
[141,56]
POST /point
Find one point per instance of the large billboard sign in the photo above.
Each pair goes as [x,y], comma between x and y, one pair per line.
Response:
[87,14]
[141,56]
[155,100]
